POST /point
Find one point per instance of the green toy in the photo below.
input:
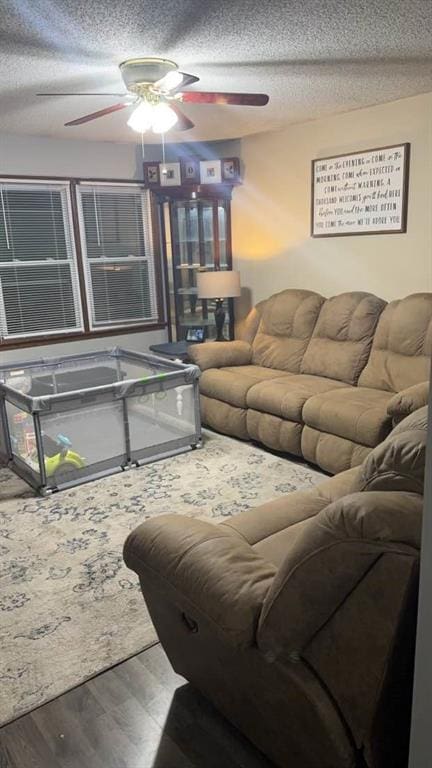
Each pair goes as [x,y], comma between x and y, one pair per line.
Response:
[64,460]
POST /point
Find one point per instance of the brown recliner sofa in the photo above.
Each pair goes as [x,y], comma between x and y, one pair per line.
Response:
[325,379]
[297,618]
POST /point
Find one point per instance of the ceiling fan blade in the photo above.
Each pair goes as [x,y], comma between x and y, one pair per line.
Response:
[187,80]
[174,81]
[183,123]
[238,99]
[95,115]
[83,94]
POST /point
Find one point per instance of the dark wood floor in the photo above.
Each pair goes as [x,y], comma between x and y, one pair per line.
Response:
[139,714]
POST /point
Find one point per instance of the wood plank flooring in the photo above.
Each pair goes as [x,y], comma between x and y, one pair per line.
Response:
[139,714]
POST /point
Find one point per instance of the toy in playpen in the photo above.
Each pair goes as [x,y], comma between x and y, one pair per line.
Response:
[152,398]
[59,457]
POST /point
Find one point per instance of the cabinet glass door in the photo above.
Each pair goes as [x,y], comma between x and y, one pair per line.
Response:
[198,240]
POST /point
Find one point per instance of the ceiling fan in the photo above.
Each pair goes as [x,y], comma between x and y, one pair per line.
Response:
[155,87]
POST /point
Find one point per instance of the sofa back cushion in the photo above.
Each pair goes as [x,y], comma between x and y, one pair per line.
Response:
[247,327]
[286,326]
[400,354]
[333,554]
[342,339]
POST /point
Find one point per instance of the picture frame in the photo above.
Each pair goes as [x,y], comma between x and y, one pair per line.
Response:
[190,171]
[170,175]
[210,172]
[231,170]
[361,193]
[151,174]
[196,334]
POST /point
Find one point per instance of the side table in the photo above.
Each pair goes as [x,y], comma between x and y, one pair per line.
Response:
[175,350]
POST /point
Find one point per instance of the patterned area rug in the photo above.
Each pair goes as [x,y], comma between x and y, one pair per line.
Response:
[69,608]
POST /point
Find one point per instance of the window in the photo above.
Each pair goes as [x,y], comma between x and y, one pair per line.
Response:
[118,257]
[48,286]
[39,286]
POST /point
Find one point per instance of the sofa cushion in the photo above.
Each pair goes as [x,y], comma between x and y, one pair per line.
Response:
[287,323]
[342,338]
[355,413]
[400,354]
[286,396]
[232,384]
[273,527]
[330,557]
[246,327]
[330,452]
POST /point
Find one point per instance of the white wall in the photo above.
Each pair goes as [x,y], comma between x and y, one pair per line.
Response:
[271,211]
[36,156]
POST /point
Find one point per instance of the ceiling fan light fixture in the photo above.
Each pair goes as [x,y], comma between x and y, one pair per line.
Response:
[142,117]
[163,118]
[156,87]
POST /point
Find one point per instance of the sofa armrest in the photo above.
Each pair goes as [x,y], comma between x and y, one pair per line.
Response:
[408,401]
[335,551]
[207,572]
[218,354]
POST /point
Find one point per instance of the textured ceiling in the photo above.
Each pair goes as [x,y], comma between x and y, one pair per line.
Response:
[313,57]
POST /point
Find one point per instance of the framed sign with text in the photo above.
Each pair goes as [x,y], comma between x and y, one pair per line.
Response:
[363,193]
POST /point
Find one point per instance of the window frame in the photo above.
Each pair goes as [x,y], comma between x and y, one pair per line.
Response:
[72,261]
[89,332]
[87,261]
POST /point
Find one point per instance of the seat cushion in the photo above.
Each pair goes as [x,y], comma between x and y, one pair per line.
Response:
[232,384]
[342,338]
[286,396]
[287,322]
[272,528]
[402,345]
[355,413]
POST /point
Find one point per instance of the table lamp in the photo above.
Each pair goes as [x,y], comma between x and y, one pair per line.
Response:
[219,285]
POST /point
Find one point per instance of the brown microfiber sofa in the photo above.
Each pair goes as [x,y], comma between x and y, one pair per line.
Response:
[297,618]
[325,379]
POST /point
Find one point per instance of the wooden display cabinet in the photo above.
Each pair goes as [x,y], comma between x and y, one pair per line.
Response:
[195,224]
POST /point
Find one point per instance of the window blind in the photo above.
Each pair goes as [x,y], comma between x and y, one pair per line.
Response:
[118,254]
[39,287]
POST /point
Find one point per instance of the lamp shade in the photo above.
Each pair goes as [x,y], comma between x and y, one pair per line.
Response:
[223,284]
